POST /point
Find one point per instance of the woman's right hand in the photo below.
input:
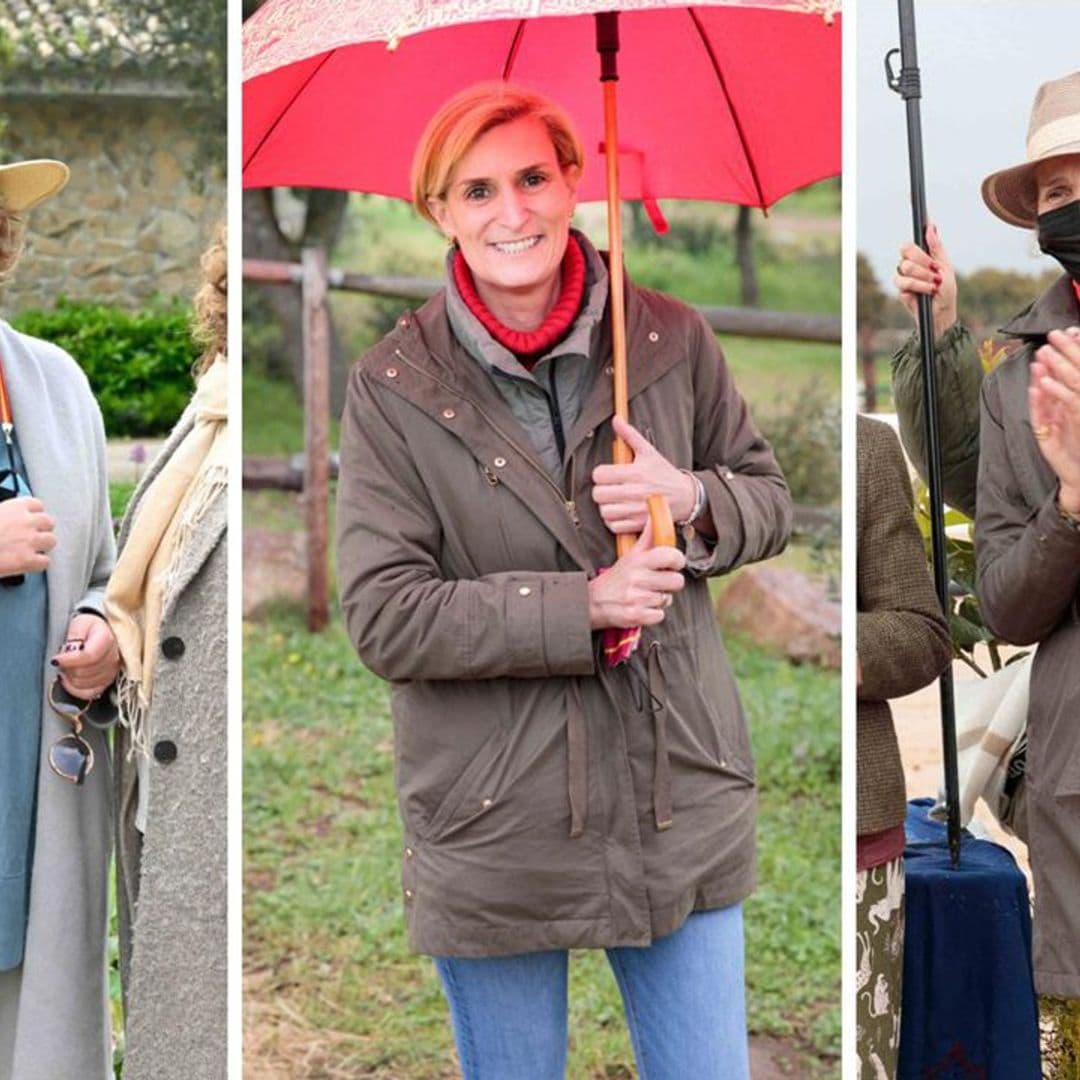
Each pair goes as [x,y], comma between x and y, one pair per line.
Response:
[928,273]
[637,590]
[26,534]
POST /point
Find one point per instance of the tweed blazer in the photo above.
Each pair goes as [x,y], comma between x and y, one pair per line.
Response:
[901,634]
[171,882]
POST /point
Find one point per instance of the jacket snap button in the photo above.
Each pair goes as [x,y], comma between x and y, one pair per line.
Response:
[500,462]
[173,648]
[391,372]
[409,853]
[485,804]
[609,370]
[408,894]
[165,751]
[524,591]
[654,336]
[449,414]
[728,474]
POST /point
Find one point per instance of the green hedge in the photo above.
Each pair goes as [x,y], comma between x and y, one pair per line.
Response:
[138,362]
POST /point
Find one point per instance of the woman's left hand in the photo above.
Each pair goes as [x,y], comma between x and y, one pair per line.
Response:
[1054,400]
[620,491]
[87,672]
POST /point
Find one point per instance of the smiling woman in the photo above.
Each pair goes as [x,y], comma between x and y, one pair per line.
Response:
[549,800]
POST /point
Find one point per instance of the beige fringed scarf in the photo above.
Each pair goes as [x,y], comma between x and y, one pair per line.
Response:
[142,585]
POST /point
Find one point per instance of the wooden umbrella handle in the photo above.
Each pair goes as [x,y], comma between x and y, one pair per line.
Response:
[663,525]
[659,511]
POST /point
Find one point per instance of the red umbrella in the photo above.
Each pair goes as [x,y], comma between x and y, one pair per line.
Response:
[735,101]
[731,102]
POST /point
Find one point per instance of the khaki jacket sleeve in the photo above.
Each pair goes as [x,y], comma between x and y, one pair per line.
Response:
[1028,564]
[747,495]
[959,377]
[901,634]
[404,618]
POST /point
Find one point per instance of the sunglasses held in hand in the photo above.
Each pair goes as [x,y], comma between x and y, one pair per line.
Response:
[71,756]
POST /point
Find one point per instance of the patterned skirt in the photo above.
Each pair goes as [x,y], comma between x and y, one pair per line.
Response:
[879,924]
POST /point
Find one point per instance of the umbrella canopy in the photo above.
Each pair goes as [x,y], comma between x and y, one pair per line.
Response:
[735,103]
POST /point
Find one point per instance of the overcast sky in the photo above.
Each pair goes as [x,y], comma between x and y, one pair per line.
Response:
[981,62]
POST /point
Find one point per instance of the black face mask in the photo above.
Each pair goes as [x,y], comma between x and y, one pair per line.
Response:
[1059,236]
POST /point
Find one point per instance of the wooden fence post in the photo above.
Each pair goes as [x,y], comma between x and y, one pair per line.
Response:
[316,332]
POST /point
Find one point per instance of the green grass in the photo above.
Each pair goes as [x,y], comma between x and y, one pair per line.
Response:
[120,493]
[323,925]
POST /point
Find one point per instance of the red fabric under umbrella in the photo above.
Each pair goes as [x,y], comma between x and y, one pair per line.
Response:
[731,103]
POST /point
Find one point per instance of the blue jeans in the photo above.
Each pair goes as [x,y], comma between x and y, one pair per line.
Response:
[683,996]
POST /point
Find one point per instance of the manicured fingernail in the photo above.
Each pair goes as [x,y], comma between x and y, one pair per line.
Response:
[937,281]
[934,266]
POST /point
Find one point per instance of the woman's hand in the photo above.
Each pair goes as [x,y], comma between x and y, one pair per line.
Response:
[26,534]
[929,275]
[620,491]
[90,660]
[1054,400]
[638,589]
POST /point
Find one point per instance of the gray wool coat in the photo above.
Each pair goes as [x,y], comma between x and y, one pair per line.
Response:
[171,882]
[54,1020]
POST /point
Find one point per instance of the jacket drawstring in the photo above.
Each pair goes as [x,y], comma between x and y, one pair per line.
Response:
[657,701]
[649,679]
[576,757]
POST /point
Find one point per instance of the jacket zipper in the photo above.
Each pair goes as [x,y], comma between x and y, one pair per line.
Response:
[568,504]
[556,416]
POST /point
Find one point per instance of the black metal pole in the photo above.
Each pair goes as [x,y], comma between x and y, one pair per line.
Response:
[908,85]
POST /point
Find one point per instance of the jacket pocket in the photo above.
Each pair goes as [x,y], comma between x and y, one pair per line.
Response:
[474,792]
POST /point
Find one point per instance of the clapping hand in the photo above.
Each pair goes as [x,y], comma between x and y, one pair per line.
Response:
[1054,400]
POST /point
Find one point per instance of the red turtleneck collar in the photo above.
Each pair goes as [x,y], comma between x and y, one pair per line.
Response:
[528,345]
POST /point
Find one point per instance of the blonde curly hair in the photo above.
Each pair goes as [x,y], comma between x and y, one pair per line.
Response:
[210,319]
[12,235]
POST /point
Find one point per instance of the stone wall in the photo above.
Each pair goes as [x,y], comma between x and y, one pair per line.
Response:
[131,223]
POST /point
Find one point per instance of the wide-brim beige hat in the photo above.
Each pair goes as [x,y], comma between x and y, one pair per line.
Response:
[23,184]
[1054,130]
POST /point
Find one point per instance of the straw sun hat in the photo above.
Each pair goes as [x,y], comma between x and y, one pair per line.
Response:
[24,184]
[1054,130]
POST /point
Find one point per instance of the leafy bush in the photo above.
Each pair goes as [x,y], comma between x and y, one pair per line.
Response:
[138,362]
[804,430]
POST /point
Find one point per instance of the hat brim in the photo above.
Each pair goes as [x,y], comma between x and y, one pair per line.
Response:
[24,184]
[1013,194]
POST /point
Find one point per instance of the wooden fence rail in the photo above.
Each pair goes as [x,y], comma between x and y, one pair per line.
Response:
[310,473]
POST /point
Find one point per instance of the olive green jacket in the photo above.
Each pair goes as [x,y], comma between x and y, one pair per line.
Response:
[546,801]
[959,380]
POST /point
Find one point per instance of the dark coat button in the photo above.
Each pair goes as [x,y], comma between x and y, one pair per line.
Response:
[173,647]
[165,751]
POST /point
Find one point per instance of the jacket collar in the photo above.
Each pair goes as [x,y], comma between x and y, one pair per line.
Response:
[423,363]
[1054,310]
